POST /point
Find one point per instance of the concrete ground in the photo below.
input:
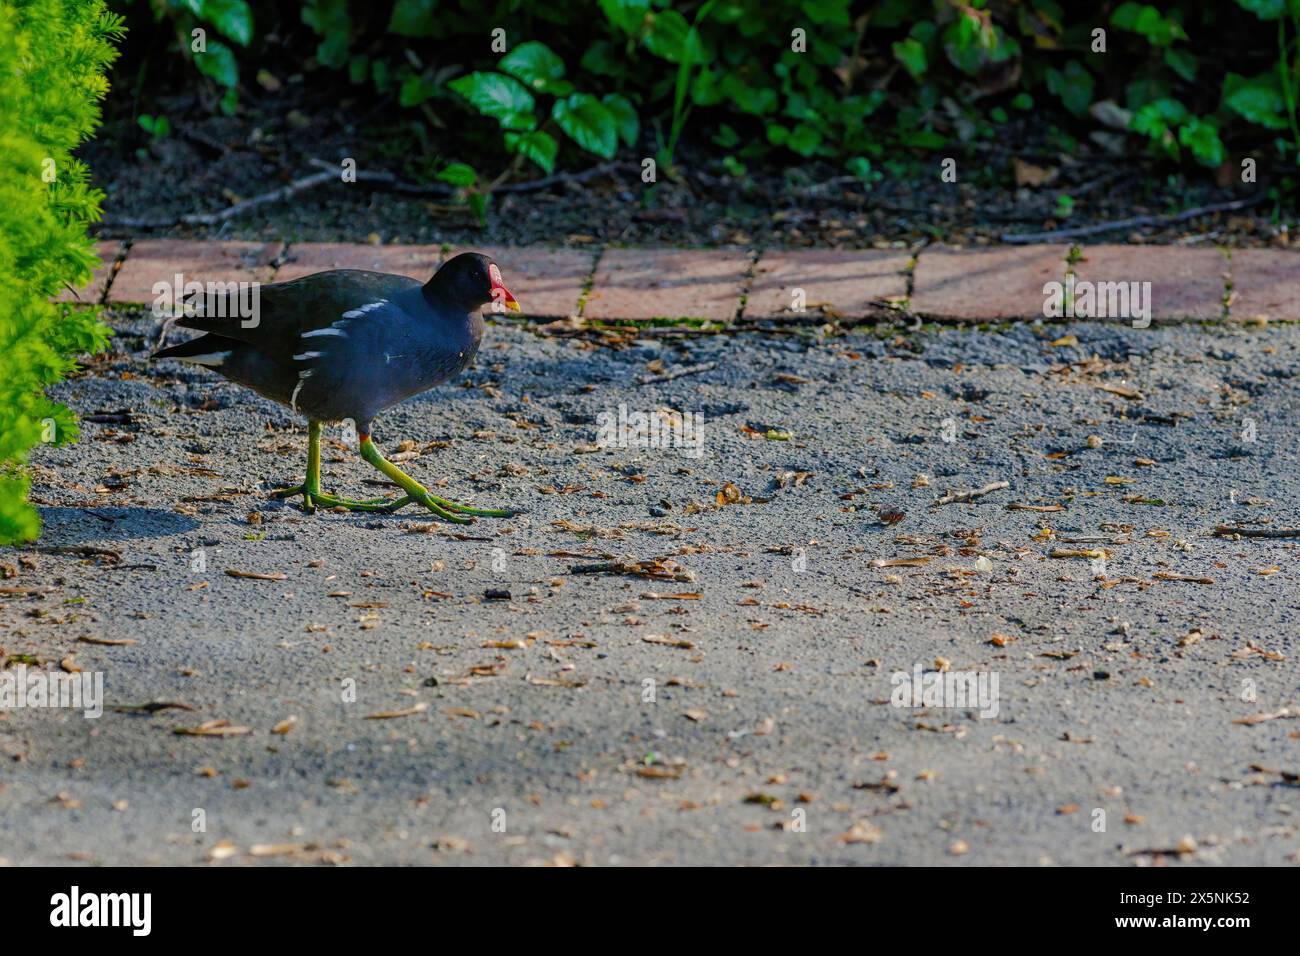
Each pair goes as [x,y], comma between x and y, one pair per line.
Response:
[400,708]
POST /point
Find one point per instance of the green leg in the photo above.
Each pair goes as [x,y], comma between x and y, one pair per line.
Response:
[311,491]
[416,492]
[310,488]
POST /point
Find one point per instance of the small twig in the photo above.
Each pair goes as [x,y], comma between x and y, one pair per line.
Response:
[677,373]
[78,551]
[1225,529]
[330,171]
[971,494]
[546,181]
[1055,234]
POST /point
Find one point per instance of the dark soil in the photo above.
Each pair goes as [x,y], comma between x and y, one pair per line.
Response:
[212,161]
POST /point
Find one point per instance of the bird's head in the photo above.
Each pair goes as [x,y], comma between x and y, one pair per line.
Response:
[470,281]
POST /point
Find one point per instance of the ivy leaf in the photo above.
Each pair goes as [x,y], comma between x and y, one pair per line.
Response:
[602,58]
[1264,9]
[587,122]
[534,63]
[1073,85]
[502,97]
[412,18]
[625,118]
[671,37]
[1257,99]
[833,12]
[540,147]
[1182,63]
[911,54]
[1146,20]
[218,63]
[232,18]
[627,15]
[460,175]
[415,90]
[804,140]
[330,20]
[1202,138]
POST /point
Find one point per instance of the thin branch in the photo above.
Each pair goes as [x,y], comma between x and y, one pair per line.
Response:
[973,493]
[1224,530]
[1057,234]
[330,171]
[677,373]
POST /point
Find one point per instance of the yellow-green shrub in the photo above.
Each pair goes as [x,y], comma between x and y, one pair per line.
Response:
[53,54]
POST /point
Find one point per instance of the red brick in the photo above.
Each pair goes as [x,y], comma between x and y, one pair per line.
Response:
[159,260]
[547,282]
[1265,284]
[848,284]
[93,290]
[1186,283]
[305,258]
[997,282]
[668,283]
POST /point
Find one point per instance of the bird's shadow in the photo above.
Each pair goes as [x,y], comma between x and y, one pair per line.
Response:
[73,526]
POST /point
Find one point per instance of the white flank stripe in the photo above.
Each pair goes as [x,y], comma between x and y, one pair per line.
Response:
[362,310]
[330,331]
[304,356]
[293,399]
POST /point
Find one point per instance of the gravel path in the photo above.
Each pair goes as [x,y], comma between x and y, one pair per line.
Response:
[741,714]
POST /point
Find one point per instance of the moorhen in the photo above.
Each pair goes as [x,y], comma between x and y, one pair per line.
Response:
[346,344]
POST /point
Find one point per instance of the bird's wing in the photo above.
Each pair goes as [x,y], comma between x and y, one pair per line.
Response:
[285,319]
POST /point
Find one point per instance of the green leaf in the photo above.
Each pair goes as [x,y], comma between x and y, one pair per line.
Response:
[627,15]
[534,63]
[502,97]
[602,58]
[1147,21]
[831,12]
[911,54]
[752,98]
[1073,85]
[358,67]
[1155,118]
[413,18]
[460,175]
[1257,100]
[804,140]
[538,146]
[1202,138]
[587,122]
[1182,63]
[415,90]
[671,37]
[330,20]
[218,63]
[232,18]
[625,118]
[1264,9]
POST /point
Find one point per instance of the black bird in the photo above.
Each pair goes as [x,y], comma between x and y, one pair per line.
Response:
[346,344]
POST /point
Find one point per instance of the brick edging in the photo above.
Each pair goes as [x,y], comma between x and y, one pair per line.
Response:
[726,285]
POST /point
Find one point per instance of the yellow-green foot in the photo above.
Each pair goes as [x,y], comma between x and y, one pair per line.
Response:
[309,497]
[416,493]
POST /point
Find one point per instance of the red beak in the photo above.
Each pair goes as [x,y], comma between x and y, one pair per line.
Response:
[501,297]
